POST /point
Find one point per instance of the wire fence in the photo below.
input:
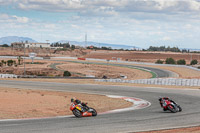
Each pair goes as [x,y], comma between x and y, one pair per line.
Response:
[157,81]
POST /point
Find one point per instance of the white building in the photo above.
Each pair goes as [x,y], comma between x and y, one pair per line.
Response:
[30,45]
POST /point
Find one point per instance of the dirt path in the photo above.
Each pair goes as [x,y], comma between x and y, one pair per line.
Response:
[20,103]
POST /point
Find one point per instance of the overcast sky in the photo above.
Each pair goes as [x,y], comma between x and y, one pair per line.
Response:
[138,23]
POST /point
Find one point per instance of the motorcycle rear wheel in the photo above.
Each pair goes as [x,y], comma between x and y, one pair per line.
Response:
[77,113]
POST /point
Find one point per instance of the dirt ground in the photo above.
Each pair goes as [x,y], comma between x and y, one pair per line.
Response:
[21,103]
[100,70]
[141,56]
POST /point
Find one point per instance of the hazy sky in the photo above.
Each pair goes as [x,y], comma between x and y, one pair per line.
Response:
[139,23]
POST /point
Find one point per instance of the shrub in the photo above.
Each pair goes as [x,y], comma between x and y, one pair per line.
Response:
[10,62]
[170,61]
[181,62]
[67,73]
[193,62]
[159,62]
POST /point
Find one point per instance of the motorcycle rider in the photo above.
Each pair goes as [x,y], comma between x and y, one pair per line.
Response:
[82,104]
[164,98]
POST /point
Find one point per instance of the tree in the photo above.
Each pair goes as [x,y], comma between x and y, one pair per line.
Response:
[19,60]
[66,45]
[10,62]
[170,61]
[181,62]
[73,47]
[67,73]
[194,62]
[159,62]
[3,62]
[5,45]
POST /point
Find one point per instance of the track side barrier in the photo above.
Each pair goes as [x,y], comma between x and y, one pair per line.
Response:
[157,81]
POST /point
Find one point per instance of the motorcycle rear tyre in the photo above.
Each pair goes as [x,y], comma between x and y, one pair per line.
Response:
[77,113]
[173,110]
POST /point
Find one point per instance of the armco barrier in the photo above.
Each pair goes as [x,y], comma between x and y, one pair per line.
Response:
[8,76]
[157,81]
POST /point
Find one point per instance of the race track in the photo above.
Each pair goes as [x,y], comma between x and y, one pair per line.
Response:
[150,118]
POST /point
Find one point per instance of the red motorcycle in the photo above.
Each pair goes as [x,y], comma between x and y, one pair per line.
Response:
[82,111]
[168,104]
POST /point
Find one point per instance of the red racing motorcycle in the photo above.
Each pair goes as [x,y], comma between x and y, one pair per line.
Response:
[80,110]
[168,104]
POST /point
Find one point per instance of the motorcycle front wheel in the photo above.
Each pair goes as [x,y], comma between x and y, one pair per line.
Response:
[179,108]
[172,108]
[94,112]
[77,113]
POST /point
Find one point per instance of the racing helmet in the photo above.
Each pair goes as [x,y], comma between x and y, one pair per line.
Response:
[72,100]
[77,101]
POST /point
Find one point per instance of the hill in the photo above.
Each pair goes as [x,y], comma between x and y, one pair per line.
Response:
[10,39]
[96,44]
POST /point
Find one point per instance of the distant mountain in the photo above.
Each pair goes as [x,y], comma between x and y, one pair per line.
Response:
[10,39]
[96,44]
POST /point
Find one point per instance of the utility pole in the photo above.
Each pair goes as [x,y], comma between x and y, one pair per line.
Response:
[24,58]
[49,47]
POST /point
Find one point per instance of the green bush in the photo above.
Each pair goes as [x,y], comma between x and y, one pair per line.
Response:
[193,62]
[170,61]
[181,62]
[10,62]
[159,62]
[67,73]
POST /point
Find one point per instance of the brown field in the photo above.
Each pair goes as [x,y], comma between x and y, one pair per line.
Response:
[142,56]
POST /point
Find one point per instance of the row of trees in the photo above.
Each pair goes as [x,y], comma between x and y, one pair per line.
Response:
[163,48]
[178,62]
[4,45]
[64,45]
[100,48]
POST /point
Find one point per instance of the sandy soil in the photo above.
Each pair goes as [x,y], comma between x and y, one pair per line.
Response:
[20,103]
[141,56]
[179,130]
[101,70]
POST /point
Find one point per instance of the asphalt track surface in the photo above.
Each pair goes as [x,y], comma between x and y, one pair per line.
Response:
[150,118]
